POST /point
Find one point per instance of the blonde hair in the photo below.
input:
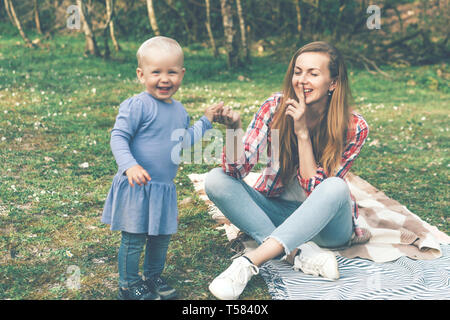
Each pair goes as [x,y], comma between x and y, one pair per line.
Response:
[165,44]
[328,137]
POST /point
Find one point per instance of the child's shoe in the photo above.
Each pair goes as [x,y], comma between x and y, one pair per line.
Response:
[160,286]
[230,283]
[316,261]
[140,291]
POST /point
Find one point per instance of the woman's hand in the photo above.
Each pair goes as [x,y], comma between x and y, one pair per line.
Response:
[213,112]
[230,118]
[296,110]
[137,174]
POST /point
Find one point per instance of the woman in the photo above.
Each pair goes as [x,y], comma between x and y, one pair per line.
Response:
[301,202]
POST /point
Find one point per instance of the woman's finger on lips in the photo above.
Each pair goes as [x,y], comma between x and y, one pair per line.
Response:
[302,94]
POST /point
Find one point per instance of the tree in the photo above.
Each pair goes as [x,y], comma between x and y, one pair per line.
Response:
[36,17]
[152,17]
[91,44]
[245,50]
[208,28]
[299,16]
[231,46]
[190,35]
[9,6]
[110,14]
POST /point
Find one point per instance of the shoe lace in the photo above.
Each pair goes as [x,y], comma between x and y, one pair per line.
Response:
[239,272]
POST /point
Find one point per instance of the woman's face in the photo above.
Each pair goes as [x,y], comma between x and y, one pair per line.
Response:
[312,75]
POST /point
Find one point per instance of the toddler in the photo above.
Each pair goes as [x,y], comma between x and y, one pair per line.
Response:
[142,201]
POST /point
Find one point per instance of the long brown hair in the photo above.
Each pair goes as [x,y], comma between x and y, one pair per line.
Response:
[328,136]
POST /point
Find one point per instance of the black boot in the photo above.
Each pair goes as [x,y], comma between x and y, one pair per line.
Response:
[160,286]
[139,291]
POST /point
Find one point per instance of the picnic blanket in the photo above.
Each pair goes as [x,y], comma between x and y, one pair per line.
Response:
[404,257]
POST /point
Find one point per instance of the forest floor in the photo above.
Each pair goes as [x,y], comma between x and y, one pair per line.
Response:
[57,109]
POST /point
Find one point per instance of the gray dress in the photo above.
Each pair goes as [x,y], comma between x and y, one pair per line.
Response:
[151,133]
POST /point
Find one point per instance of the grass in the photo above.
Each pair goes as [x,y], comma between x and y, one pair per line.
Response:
[57,108]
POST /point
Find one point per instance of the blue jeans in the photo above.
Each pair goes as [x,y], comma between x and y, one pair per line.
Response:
[324,217]
[130,251]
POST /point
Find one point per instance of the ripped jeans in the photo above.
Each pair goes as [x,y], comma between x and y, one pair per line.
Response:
[324,217]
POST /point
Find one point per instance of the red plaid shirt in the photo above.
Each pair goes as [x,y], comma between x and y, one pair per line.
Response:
[258,137]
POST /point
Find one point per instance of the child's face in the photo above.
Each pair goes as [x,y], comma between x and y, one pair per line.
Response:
[161,73]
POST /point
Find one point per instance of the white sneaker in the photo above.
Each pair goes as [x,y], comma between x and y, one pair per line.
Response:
[316,261]
[230,283]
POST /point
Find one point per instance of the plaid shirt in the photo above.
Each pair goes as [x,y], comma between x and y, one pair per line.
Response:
[258,137]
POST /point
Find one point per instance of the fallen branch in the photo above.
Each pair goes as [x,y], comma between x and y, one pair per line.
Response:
[403,39]
[366,61]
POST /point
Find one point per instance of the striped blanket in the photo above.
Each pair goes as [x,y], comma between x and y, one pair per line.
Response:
[361,279]
[404,257]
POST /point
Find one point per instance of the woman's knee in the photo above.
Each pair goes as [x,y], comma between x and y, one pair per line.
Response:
[214,181]
[336,186]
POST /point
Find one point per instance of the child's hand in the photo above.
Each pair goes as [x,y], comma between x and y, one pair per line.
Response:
[213,112]
[230,118]
[137,174]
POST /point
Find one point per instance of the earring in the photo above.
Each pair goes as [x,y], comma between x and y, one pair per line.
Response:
[330,92]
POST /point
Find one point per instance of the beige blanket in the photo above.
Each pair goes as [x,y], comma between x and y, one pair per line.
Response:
[394,230]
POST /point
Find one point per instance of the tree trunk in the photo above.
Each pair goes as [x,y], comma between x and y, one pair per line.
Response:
[12,13]
[190,35]
[36,17]
[245,50]
[230,39]
[91,44]
[110,14]
[208,28]
[194,22]
[299,16]
[8,12]
[107,52]
[152,17]
[337,29]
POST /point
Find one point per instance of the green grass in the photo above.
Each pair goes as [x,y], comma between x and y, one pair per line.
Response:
[57,108]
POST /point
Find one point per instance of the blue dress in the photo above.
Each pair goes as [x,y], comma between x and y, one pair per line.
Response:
[151,133]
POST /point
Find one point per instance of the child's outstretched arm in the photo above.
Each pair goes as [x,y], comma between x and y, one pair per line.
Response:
[198,129]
